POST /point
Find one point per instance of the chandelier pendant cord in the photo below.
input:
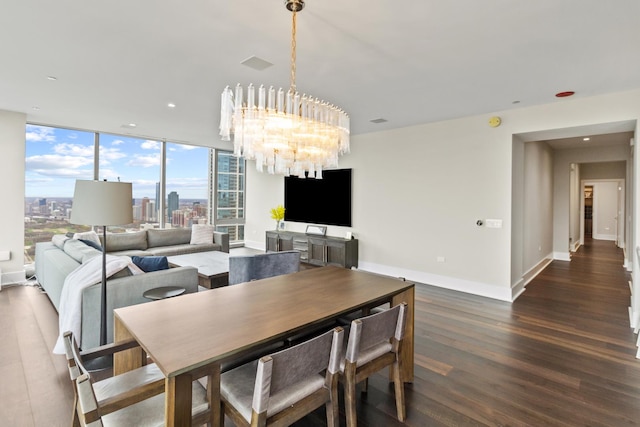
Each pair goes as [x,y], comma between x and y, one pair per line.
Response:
[293,51]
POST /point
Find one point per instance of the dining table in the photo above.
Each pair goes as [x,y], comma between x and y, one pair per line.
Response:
[189,336]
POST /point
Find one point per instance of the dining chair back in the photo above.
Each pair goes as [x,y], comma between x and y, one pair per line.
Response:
[374,343]
[283,387]
[260,266]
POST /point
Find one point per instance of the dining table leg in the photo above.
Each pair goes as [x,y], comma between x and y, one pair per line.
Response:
[213,395]
[178,400]
[127,360]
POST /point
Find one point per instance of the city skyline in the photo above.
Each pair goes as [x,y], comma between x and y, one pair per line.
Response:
[56,157]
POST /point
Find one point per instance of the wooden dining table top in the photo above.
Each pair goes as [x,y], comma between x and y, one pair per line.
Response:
[194,330]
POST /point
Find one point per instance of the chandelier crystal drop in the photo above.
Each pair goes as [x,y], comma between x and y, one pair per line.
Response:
[287,133]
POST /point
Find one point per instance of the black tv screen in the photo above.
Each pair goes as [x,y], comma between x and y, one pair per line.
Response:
[319,201]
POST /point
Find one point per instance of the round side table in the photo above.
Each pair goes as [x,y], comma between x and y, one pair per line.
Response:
[163,292]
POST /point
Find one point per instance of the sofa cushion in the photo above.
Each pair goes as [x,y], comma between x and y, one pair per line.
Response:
[167,237]
[59,239]
[131,252]
[184,249]
[79,251]
[151,263]
[88,235]
[126,241]
[201,234]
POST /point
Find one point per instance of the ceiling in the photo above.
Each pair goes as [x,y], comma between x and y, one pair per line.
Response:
[119,62]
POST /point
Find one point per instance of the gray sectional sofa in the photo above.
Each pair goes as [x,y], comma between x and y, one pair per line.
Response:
[56,259]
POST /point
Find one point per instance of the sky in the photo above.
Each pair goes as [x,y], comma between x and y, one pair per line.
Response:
[56,157]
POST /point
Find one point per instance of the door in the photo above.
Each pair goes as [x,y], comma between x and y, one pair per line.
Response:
[605,210]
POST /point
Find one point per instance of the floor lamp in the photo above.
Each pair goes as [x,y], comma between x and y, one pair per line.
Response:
[102,203]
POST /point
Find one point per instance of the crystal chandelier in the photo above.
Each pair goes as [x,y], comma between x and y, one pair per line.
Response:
[286,132]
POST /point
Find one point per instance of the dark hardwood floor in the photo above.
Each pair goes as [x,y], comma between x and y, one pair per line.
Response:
[563,354]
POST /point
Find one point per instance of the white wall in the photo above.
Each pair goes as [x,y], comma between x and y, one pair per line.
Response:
[604,170]
[418,191]
[12,152]
[538,204]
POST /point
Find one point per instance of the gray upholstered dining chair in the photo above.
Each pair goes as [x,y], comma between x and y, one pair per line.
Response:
[135,398]
[283,387]
[260,266]
[374,343]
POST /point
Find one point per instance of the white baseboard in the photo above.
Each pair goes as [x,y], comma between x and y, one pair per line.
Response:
[575,247]
[455,284]
[562,256]
[634,319]
[261,246]
[530,274]
[605,237]
[12,277]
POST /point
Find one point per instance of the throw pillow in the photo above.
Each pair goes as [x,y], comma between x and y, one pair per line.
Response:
[201,234]
[151,263]
[89,235]
[92,244]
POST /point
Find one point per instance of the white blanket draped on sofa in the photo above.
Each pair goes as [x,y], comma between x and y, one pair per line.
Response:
[87,274]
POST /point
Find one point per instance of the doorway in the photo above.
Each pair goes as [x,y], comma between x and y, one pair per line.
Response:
[602,210]
[588,211]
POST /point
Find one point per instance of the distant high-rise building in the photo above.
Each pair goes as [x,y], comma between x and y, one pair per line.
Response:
[43,207]
[145,209]
[173,203]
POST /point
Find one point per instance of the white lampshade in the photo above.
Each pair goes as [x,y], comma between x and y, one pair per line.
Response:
[102,203]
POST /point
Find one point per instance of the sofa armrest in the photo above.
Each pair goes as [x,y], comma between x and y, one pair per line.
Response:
[126,291]
[222,239]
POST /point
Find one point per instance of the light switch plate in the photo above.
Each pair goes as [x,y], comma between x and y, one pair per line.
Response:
[494,223]
[5,255]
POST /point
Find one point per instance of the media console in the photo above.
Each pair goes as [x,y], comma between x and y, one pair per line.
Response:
[316,250]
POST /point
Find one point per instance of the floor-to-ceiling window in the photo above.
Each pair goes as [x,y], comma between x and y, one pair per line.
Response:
[56,157]
[135,160]
[187,174]
[229,195]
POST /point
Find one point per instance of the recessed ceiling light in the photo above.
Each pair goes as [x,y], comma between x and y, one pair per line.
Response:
[380,120]
[516,102]
[586,139]
[565,94]
[52,78]
[171,105]
[129,125]
[35,107]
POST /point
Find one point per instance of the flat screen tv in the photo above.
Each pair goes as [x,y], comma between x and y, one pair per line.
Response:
[324,201]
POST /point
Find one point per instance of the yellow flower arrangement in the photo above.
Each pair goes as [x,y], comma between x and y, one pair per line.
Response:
[277,213]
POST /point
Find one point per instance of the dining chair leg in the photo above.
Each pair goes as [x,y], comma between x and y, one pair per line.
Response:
[75,421]
[350,394]
[399,390]
[333,410]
